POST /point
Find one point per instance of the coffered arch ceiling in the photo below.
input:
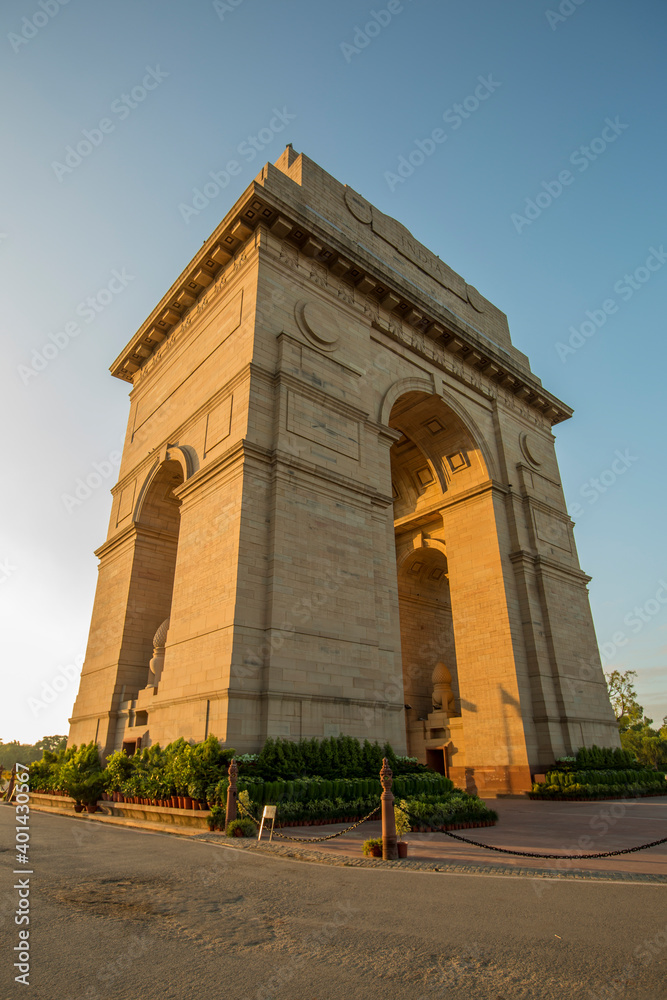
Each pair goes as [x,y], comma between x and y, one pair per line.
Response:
[435,457]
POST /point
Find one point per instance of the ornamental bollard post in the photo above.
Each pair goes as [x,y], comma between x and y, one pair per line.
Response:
[231,793]
[389,848]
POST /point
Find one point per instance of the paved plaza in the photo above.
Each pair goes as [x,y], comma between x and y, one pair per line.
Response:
[540,827]
[125,914]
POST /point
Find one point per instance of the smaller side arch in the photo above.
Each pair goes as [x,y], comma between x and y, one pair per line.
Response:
[404,556]
[186,456]
[141,495]
[399,389]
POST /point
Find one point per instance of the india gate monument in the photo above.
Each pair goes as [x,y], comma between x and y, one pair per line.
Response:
[339,508]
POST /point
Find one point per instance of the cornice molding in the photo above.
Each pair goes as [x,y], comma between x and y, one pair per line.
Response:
[436,331]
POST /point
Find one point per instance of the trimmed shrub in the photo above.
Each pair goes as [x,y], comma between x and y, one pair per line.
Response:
[246,827]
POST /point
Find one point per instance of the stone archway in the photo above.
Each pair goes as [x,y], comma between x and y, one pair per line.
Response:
[453,595]
[157,526]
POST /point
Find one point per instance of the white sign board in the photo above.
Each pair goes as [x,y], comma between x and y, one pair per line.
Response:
[269,813]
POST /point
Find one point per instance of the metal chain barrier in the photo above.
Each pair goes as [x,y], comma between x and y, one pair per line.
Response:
[310,840]
[575,857]
[473,843]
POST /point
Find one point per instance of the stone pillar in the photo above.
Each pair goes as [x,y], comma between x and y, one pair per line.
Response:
[389,840]
[496,706]
[231,793]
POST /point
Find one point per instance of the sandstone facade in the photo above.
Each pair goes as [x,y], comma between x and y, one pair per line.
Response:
[338,473]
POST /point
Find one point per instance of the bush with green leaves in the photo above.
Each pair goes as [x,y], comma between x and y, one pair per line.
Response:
[216,819]
[246,827]
[605,759]
[45,773]
[347,789]
[402,818]
[333,757]
[630,776]
[600,790]
[458,807]
[371,846]
[82,775]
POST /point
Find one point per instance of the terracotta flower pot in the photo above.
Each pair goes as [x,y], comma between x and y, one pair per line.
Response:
[187,802]
[91,807]
[402,849]
[376,851]
[78,807]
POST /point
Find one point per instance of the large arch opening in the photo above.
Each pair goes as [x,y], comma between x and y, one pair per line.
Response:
[435,461]
[157,524]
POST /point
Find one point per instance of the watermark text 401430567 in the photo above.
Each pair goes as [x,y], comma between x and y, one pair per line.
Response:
[23,869]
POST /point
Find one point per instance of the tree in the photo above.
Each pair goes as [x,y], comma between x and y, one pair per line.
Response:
[51,743]
[623,698]
[637,735]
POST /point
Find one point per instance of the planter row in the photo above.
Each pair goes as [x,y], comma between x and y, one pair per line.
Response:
[174,802]
[592,798]
[453,826]
[279,824]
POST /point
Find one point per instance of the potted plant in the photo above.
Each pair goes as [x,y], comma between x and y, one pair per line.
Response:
[403,826]
[83,778]
[240,828]
[373,847]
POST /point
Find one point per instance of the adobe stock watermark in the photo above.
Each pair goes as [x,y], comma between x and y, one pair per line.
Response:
[597,486]
[581,157]
[83,488]
[51,690]
[604,820]
[122,108]
[222,7]
[565,9]
[307,951]
[363,36]
[454,117]
[31,26]
[625,288]
[248,149]
[635,621]
[643,954]
[88,310]
[7,569]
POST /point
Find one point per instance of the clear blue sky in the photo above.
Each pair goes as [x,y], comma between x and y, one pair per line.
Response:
[217,72]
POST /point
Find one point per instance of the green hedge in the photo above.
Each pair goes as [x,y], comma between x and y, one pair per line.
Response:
[602,777]
[604,759]
[434,811]
[332,757]
[596,791]
[458,807]
[345,789]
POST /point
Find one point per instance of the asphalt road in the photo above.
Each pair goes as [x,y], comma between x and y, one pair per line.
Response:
[120,913]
